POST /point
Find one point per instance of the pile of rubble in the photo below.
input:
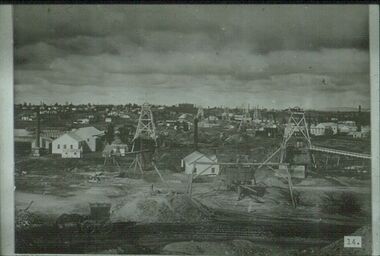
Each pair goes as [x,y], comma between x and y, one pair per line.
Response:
[169,208]
[24,219]
[161,207]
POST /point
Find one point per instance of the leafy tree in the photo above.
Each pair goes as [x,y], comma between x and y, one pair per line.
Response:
[124,132]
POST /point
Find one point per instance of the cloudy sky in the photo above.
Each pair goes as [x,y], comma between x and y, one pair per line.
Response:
[272,56]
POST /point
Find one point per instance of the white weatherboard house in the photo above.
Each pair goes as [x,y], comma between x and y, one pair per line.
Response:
[320,129]
[69,145]
[199,164]
[317,130]
[331,125]
[75,142]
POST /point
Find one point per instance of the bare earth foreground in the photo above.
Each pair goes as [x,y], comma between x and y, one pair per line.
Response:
[214,222]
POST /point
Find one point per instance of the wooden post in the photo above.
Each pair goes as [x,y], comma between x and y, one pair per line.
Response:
[141,168]
[239,192]
[254,178]
[158,172]
[190,190]
[135,165]
[313,159]
[291,189]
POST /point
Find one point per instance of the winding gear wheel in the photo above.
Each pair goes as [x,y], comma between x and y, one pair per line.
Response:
[88,226]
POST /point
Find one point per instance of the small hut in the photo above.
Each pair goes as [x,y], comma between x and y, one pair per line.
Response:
[116,148]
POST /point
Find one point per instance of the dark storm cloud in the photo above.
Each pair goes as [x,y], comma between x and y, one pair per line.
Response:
[265,28]
[216,49]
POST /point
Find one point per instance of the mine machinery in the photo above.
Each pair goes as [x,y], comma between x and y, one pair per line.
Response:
[144,146]
[238,177]
[145,138]
[297,129]
[144,143]
[295,154]
[97,221]
[294,158]
[241,178]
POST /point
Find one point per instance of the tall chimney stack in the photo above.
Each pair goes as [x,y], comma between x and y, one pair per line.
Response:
[36,149]
[196,133]
[38,128]
[359,120]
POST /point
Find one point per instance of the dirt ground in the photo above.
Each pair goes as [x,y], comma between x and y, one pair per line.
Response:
[58,186]
[63,186]
[310,194]
[131,199]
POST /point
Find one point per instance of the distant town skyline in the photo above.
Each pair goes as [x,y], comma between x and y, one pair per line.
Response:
[242,107]
[315,57]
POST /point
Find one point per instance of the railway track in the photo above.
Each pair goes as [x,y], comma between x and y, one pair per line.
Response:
[48,239]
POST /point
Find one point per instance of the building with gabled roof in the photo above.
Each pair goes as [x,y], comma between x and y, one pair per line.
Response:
[72,144]
[69,145]
[90,135]
[198,163]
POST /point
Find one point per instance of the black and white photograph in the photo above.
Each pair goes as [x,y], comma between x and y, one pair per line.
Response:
[192,129]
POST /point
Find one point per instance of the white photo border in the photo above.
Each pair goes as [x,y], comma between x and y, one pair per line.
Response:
[7,234]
